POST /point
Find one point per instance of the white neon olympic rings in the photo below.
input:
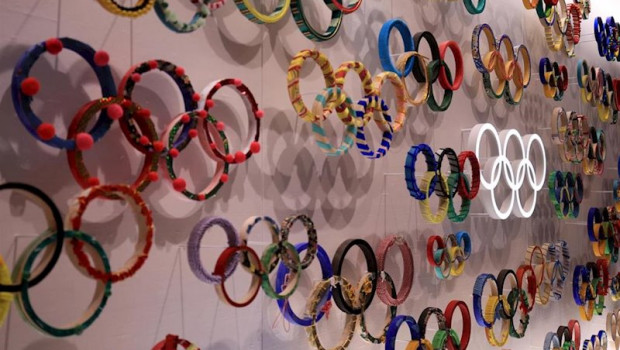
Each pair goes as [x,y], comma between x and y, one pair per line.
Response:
[513,171]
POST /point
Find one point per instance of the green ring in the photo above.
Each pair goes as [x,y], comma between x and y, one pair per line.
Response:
[28,257]
[271,253]
[307,30]
[474,10]
[447,97]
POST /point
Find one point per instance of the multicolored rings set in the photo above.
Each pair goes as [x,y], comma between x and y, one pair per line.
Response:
[607,36]
[591,283]
[134,120]
[449,256]
[84,252]
[599,89]
[533,283]
[566,337]
[506,69]
[578,142]
[561,22]
[566,192]
[446,188]
[554,77]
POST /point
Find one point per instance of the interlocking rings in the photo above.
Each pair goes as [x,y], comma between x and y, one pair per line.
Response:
[449,185]
[603,233]
[554,78]
[355,117]
[596,342]
[449,258]
[589,288]
[561,22]
[506,68]
[412,62]
[550,264]
[566,337]
[513,172]
[134,120]
[445,337]
[599,90]
[566,193]
[607,36]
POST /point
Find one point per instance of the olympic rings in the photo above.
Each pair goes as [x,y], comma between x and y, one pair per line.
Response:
[599,89]
[603,233]
[355,117]
[554,78]
[449,258]
[566,193]
[506,69]
[412,62]
[607,36]
[455,182]
[134,120]
[561,22]
[513,172]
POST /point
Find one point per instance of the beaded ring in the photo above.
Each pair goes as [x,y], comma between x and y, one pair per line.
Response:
[126,87]
[254,147]
[24,87]
[179,184]
[75,157]
[145,227]
[285,229]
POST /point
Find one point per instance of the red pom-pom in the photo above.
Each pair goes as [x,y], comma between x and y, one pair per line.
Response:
[193,133]
[202,114]
[173,152]
[152,64]
[144,140]
[220,126]
[53,46]
[115,111]
[102,58]
[239,157]
[92,181]
[180,71]
[30,86]
[210,103]
[136,77]
[237,82]
[201,197]
[143,113]
[224,178]
[212,145]
[153,176]
[158,146]
[196,97]
[126,104]
[179,184]
[229,158]
[255,147]
[84,141]
[46,131]
[259,114]
[185,118]
[218,86]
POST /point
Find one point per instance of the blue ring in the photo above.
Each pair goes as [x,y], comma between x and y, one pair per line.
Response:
[431,165]
[392,331]
[580,271]
[478,289]
[384,46]
[326,271]
[21,102]
[463,237]
[593,215]
[543,66]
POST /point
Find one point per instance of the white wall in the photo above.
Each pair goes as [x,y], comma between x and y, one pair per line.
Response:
[347,197]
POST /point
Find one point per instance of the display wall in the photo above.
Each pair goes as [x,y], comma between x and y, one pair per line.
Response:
[347,196]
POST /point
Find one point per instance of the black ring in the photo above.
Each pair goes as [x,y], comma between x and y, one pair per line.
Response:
[60,235]
[501,279]
[418,70]
[426,315]
[564,333]
[453,160]
[371,265]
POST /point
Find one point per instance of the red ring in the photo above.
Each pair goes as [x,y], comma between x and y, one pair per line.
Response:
[430,251]
[458,59]
[466,334]
[347,9]
[220,268]
[474,185]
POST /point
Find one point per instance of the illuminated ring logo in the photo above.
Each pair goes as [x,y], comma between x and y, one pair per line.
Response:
[513,172]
